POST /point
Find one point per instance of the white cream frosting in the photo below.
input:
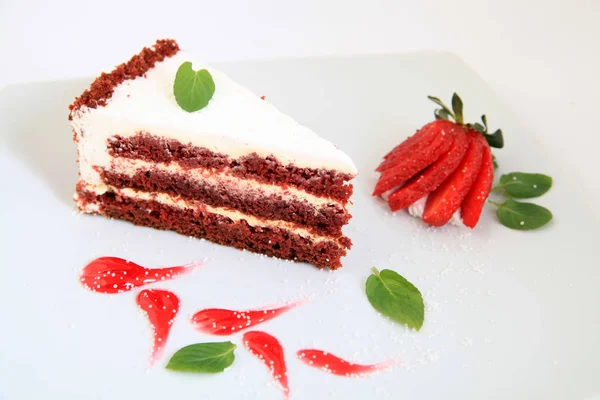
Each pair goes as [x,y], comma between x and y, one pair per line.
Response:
[235,122]
[172,201]
[130,167]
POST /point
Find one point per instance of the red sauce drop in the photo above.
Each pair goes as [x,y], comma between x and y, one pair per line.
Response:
[115,275]
[336,365]
[218,321]
[268,349]
[161,307]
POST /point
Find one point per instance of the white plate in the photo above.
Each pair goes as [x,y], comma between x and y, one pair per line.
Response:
[509,314]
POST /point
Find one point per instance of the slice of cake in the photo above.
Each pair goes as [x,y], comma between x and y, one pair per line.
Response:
[236,171]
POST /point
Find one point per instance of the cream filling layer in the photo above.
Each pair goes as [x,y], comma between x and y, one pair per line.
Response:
[130,167]
[166,199]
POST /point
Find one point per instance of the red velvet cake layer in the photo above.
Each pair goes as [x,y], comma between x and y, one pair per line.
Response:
[147,147]
[327,220]
[275,242]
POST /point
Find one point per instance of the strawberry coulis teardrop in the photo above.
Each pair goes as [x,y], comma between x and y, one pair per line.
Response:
[111,275]
[269,350]
[161,308]
[223,322]
[338,366]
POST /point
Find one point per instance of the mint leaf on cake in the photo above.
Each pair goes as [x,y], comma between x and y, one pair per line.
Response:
[203,357]
[396,298]
[193,89]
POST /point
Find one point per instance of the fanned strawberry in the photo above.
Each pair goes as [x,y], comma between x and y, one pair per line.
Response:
[446,199]
[406,168]
[473,204]
[429,180]
[419,141]
[447,160]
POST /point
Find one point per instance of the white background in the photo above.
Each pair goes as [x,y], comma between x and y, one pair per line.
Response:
[541,56]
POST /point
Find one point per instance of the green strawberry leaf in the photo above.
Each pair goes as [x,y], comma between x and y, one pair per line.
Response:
[203,357]
[480,128]
[522,185]
[193,89]
[395,297]
[522,216]
[484,120]
[457,107]
[495,162]
[495,139]
[441,104]
[440,113]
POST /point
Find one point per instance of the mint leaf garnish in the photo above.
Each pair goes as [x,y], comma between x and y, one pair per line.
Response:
[203,357]
[522,216]
[522,185]
[193,89]
[395,297]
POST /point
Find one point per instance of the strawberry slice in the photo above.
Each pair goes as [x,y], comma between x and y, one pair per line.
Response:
[473,204]
[421,134]
[406,168]
[419,141]
[446,199]
[416,143]
[429,180]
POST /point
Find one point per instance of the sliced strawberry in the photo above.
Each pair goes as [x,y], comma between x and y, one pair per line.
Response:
[429,180]
[406,168]
[446,199]
[415,144]
[422,134]
[473,204]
